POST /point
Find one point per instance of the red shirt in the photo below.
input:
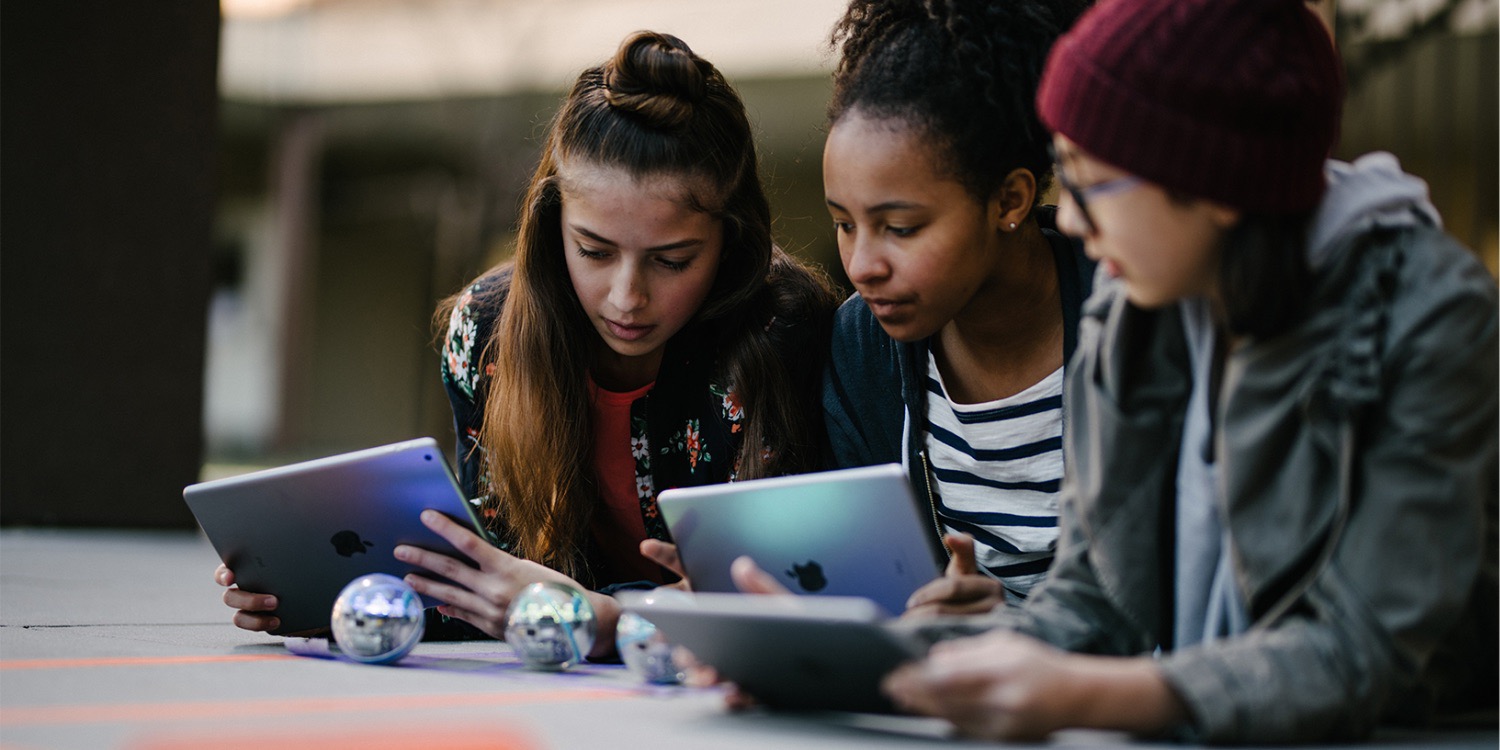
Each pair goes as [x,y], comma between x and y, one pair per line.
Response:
[617,527]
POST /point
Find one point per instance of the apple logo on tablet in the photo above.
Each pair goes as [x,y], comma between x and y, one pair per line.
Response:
[809,576]
[346,543]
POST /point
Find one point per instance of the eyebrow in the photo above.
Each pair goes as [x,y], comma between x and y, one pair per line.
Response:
[880,207]
[678,245]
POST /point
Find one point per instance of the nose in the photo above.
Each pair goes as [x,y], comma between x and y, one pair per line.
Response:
[864,260]
[627,289]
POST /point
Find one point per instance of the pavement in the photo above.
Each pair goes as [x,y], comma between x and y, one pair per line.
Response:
[119,639]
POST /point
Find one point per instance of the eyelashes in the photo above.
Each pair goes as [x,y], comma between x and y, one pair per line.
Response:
[666,263]
[847,227]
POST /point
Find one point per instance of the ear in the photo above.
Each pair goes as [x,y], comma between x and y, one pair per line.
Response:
[1012,201]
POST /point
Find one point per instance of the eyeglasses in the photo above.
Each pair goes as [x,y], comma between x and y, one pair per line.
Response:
[1081,195]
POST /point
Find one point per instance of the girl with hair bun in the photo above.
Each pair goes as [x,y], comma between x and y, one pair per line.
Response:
[1279,519]
[647,334]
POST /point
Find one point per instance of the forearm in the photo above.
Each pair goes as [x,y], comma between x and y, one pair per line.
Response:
[1124,694]
[1302,680]
[1008,686]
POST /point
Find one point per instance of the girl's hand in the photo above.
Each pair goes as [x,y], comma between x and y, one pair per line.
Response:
[481,595]
[665,555]
[750,579]
[252,611]
[962,590]
[747,576]
[998,686]
[1006,686]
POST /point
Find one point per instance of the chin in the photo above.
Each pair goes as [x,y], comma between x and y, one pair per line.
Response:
[632,348]
[1147,301]
[905,332]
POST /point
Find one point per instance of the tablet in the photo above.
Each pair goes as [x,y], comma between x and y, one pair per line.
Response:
[790,652]
[304,531]
[850,532]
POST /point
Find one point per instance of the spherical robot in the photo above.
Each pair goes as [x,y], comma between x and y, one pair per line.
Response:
[377,619]
[645,650]
[550,625]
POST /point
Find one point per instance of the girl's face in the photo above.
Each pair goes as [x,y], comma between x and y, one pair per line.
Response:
[1163,248]
[913,241]
[641,262]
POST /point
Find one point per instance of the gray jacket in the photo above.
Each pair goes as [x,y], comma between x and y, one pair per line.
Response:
[1358,478]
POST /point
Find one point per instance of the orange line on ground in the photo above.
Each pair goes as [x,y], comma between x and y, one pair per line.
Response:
[365,736]
[136,661]
[239,709]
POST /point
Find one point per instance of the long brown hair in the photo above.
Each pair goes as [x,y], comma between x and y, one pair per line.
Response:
[655,109]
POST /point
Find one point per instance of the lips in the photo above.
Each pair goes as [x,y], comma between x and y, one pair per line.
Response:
[884,307]
[628,331]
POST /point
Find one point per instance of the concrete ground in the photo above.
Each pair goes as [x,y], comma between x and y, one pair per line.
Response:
[119,639]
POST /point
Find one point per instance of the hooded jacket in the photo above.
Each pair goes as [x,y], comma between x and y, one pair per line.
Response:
[1357,479]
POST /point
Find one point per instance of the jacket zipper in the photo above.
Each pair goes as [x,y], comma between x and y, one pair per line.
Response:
[1335,530]
[937,525]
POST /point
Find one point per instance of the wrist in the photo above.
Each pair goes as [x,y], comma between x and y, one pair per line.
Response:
[606,617]
[1124,694]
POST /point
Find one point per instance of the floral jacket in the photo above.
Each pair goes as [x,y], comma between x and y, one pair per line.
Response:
[684,432]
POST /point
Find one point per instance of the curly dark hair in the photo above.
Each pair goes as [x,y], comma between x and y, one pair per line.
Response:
[963,72]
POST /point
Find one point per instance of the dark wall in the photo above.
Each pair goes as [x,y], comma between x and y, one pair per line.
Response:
[107,141]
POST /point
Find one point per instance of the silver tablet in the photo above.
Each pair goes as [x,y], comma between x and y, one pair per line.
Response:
[851,532]
[789,652]
[304,531]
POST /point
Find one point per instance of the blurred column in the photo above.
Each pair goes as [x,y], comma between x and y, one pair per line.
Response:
[295,165]
[109,153]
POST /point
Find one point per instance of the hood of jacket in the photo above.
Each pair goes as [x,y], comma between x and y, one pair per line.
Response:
[1371,192]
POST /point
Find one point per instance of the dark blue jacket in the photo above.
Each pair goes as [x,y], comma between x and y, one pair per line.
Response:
[872,381]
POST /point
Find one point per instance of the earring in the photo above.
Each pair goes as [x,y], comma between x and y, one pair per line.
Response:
[1012,226]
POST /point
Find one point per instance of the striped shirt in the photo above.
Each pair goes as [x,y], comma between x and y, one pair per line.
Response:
[997,467]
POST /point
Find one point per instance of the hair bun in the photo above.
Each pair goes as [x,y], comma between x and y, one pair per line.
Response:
[656,78]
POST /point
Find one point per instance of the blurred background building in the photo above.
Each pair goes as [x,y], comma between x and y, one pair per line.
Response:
[202,277]
[374,152]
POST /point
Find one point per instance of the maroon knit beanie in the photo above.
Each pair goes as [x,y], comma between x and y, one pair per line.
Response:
[1236,101]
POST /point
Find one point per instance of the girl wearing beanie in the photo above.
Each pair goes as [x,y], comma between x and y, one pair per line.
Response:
[1278,523]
